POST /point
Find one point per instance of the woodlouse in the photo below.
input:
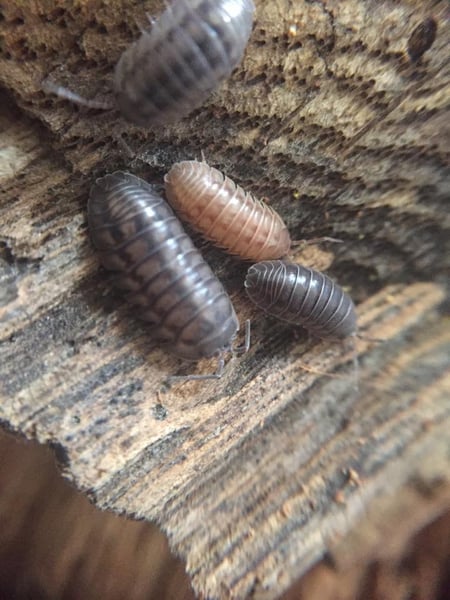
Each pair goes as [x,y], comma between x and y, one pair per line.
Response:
[171,70]
[139,237]
[302,296]
[422,38]
[224,213]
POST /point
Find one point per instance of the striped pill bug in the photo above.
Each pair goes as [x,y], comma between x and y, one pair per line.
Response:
[138,236]
[224,213]
[302,296]
[171,70]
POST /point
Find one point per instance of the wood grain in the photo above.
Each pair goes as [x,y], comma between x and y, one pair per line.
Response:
[253,477]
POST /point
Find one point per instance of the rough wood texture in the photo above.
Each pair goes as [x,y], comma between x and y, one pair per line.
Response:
[256,476]
[54,545]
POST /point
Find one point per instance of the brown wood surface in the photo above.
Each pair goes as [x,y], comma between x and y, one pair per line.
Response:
[254,477]
[55,545]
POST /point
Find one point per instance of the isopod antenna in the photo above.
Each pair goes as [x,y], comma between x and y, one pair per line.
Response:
[63,92]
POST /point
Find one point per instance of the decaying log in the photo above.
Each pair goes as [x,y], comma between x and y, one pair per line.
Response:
[54,544]
[257,476]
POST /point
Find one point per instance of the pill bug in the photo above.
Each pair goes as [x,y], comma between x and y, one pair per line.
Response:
[224,213]
[171,70]
[139,237]
[302,296]
[422,38]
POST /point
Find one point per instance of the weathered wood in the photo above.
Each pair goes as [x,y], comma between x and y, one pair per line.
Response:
[251,477]
[54,544]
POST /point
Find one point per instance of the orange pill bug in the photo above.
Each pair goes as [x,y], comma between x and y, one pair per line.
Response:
[224,213]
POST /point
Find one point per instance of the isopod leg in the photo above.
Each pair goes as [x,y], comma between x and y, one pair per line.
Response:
[246,345]
[216,375]
[67,94]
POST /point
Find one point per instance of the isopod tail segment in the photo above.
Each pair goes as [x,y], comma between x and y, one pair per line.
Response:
[67,94]
[235,351]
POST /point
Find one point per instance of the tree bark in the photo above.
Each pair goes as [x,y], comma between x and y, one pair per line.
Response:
[254,477]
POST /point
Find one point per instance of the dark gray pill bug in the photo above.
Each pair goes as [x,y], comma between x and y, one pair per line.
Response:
[171,69]
[139,237]
[302,296]
[190,50]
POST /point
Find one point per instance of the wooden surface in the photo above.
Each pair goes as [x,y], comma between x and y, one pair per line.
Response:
[254,477]
[55,545]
